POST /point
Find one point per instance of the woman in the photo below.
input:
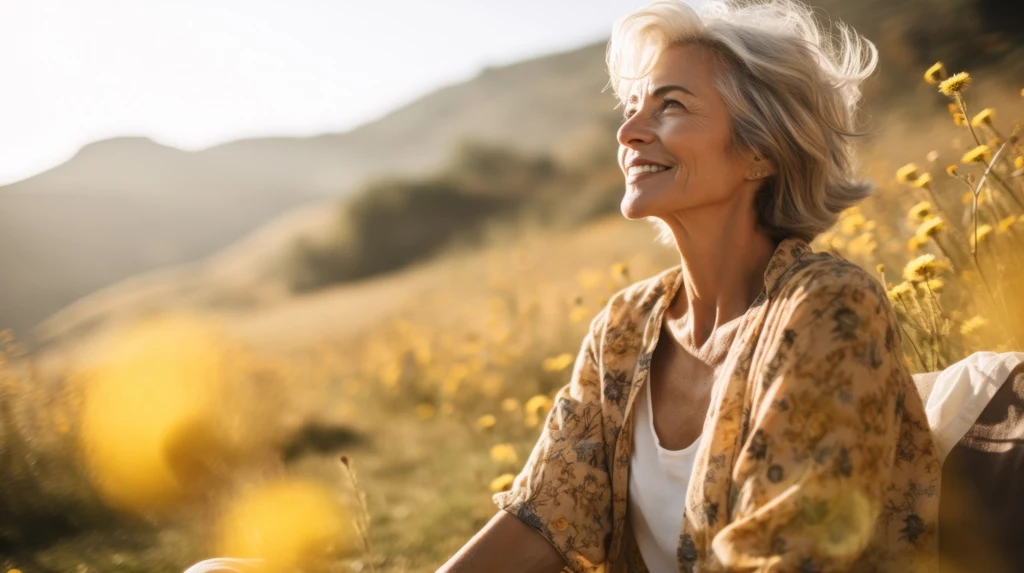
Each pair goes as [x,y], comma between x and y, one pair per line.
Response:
[749,409]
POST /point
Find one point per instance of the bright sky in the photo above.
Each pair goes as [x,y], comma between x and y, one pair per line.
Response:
[194,73]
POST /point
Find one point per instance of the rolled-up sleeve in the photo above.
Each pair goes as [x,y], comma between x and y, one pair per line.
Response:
[563,491]
[818,479]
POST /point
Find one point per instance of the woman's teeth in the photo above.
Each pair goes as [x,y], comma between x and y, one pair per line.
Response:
[646,169]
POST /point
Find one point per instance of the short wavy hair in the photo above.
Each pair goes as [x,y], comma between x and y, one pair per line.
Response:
[791,87]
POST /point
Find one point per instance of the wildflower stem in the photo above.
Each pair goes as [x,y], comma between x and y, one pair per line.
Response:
[363,519]
[914,346]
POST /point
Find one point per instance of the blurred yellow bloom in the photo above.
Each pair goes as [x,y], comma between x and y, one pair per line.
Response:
[1006,223]
[502,483]
[863,245]
[425,411]
[959,119]
[956,83]
[924,268]
[968,197]
[915,243]
[579,314]
[984,116]
[504,454]
[620,271]
[934,285]
[906,173]
[972,325]
[931,227]
[510,405]
[557,363]
[852,223]
[924,181]
[981,153]
[983,231]
[588,279]
[539,405]
[292,525]
[1018,162]
[880,268]
[935,74]
[486,422]
[951,170]
[920,211]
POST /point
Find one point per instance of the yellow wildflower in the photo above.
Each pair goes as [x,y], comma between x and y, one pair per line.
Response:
[510,405]
[557,363]
[983,231]
[972,325]
[981,152]
[899,290]
[984,116]
[486,422]
[539,405]
[955,84]
[952,107]
[934,285]
[959,119]
[935,74]
[915,243]
[502,483]
[880,268]
[931,227]
[920,211]
[504,454]
[620,271]
[1006,223]
[907,173]
[1018,162]
[951,170]
[923,181]
[923,268]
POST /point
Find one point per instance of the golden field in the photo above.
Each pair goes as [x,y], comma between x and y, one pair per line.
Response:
[191,434]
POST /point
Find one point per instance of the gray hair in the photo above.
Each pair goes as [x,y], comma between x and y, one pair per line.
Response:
[792,93]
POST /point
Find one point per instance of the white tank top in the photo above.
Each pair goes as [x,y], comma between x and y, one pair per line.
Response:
[658,479]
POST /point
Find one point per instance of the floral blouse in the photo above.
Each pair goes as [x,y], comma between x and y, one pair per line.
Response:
[817,455]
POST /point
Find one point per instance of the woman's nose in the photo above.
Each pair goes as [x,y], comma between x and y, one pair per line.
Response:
[634,130]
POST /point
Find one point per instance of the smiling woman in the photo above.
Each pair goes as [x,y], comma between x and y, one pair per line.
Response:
[749,409]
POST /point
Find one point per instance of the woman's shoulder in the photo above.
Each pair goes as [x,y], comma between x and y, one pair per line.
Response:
[822,274]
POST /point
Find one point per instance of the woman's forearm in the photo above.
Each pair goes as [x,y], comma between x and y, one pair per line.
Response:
[505,545]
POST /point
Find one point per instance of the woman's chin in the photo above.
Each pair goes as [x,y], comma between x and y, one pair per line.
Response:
[634,206]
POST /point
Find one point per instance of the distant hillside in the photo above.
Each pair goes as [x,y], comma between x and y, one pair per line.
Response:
[127,206]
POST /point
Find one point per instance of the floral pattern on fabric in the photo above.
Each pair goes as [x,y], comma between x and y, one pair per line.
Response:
[817,454]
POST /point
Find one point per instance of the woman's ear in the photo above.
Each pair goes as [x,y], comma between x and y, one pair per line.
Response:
[759,168]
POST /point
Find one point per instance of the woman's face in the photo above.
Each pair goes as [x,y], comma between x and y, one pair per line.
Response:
[676,119]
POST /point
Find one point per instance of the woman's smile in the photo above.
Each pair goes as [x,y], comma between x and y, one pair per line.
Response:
[644,172]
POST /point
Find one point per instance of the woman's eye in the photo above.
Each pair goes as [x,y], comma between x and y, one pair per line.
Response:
[669,102]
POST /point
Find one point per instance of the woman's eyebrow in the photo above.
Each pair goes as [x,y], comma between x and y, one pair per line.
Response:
[662,91]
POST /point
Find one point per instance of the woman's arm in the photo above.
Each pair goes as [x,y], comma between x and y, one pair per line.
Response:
[505,545]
